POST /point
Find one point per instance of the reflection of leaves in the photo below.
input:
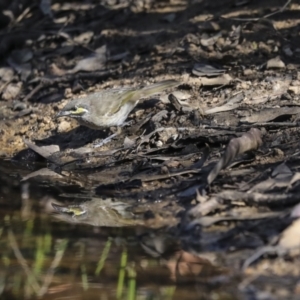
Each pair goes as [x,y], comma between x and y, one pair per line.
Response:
[123,265]
[185,267]
[103,257]
[31,278]
[38,289]
[248,141]
[43,173]
[288,243]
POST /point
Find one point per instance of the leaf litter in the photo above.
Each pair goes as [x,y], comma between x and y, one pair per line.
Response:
[216,161]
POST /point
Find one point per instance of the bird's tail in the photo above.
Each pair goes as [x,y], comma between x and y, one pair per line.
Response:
[155,88]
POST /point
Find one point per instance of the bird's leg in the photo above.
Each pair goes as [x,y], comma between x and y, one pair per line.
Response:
[129,123]
[109,138]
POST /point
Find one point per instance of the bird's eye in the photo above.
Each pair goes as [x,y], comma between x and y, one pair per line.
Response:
[78,111]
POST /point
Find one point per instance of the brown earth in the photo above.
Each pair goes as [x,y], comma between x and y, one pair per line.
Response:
[167,153]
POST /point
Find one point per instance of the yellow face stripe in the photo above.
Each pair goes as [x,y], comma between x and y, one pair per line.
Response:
[77,211]
[79,111]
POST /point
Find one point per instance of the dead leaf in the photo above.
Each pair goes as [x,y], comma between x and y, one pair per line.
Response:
[206,70]
[275,63]
[19,60]
[45,7]
[232,40]
[44,151]
[6,74]
[288,243]
[206,42]
[181,97]
[269,114]
[92,63]
[84,38]
[296,211]
[21,56]
[281,177]
[12,91]
[224,79]
[259,198]
[290,237]
[233,103]
[248,141]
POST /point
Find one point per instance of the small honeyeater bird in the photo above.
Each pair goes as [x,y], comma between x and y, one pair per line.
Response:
[110,107]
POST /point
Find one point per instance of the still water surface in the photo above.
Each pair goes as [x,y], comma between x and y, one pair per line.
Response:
[81,252]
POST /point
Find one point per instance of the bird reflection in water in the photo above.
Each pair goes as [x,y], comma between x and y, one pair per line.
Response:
[177,264]
[98,212]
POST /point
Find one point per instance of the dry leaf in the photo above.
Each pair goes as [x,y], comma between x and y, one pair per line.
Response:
[248,141]
[224,79]
[275,63]
[269,114]
[44,151]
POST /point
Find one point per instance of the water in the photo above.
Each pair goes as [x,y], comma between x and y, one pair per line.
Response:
[68,252]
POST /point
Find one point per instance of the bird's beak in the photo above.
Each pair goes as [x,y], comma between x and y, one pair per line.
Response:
[75,210]
[62,114]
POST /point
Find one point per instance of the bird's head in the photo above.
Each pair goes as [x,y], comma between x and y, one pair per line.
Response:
[78,109]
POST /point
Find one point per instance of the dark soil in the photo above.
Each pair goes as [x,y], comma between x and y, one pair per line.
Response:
[164,163]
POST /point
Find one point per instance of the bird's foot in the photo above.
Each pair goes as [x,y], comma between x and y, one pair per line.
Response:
[129,123]
[107,140]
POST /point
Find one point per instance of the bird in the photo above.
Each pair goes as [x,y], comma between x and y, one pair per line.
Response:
[110,107]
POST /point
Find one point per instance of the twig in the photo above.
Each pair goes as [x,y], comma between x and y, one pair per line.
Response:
[264,17]
[33,92]
[23,14]
[262,124]
[279,10]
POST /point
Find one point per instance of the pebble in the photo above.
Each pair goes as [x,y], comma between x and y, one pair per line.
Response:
[244,85]
[46,120]
[295,83]
[275,63]
[63,126]
[12,91]
[248,72]
[294,89]
[23,130]
[159,144]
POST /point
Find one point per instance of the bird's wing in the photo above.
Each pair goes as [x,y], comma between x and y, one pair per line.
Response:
[133,95]
[113,99]
[123,97]
[108,102]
